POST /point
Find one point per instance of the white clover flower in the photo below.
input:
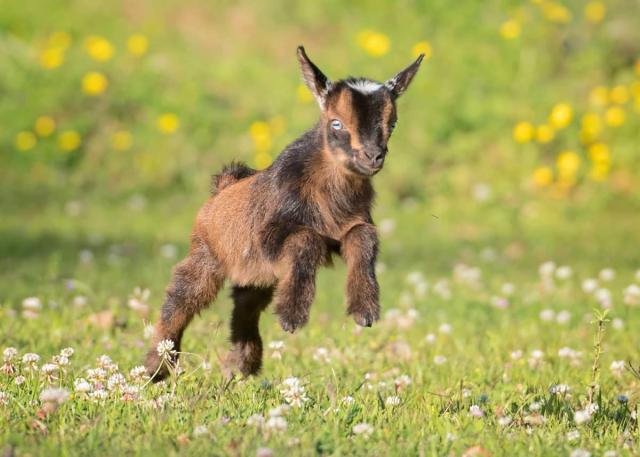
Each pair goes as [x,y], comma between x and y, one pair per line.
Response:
[564,272]
[58,396]
[475,411]
[507,289]
[439,359]
[348,400]
[129,393]
[535,406]
[4,398]
[281,410]
[138,373]
[580,453]
[276,424]
[293,392]
[445,328]
[430,338]
[504,421]
[617,367]
[363,429]
[393,400]
[547,269]
[30,360]
[402,381]
[49,371]
[603,297]
[581,417]
[610,453]
[99,394]
[82,386]
[148,332]
[441,288]
[632,295]
[255,420]
[200,430]
[61,360]
[80,300]
[67,352]
[547,315]
[607,274]
[563,317]
[516,355]
[116,382]
[138,300]
[560,389]
[9,354]
[322,355]
[617,323]
[589,285]
[166,350]
[32,304]
[19,380]
[573,435]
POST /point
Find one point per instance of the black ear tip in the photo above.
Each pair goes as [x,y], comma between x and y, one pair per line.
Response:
[419,59]
[300,51]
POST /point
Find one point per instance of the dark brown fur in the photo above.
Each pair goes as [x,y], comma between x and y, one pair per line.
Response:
[268,232]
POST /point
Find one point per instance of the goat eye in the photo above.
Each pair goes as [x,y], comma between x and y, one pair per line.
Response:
[336,124]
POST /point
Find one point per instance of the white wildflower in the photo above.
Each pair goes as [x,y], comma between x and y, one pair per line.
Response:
[19,380]
[516,355]
[48,371]
[580,453]
[58,396]
[500,302]
[508,288]
[348,400]
[30,360]
[402,382]
[617,368]
[589,285]
[604,298]
[322,355]
[264,452]
[563,317]
[9,354]
[617,323]
[439,359]
[607,274]
[363,429]
[564,272]
[547,269]
[4,398]
[504,421]
[293,392]
[632,295]
[166,350]
[445,328]
[200,430]
[547,315]
[475,411]
[276,424]
[255,420]
[560,389]
[281,410]
[430,338]
[148,331]
[392,400]
[32,303]
[82,386]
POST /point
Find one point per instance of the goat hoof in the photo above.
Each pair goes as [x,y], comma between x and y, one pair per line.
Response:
[365,318]
[291,325]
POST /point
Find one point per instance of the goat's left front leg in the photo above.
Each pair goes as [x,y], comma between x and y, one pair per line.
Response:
[359,247]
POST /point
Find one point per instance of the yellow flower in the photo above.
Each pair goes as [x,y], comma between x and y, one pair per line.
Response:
[137,44]
[303,94]
[69,140]
[44,126]
[599,154]
[591,127]
[98,48]
[51,58]
[94,83]
[598,96]
[594,12]
[561,115]
[168,123]
[25,140]
[510,29]
[263,160]
[555,12]
[523,132]
[59,40]
[544,133]
[619,95]
[122,140]
[261,135]
[635,88]
[374,43]
[422,47]
[568,163]
[542,176]
[614,116]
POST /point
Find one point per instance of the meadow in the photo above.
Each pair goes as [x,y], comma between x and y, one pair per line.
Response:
[508,211]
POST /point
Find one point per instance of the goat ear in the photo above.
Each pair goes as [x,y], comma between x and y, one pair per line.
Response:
[316,81]
[399,83]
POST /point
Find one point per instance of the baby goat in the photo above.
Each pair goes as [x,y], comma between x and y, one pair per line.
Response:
[269,231]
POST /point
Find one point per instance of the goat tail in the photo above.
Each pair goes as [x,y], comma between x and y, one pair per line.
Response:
[231,173]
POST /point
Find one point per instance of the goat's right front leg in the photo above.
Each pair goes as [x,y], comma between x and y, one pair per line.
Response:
[298,259]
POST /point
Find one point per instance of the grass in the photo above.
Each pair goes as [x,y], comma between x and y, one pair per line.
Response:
[464,233]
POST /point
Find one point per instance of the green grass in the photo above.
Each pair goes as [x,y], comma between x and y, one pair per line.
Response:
[96,223]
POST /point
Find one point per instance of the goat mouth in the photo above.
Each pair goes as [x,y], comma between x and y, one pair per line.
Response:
[365,170]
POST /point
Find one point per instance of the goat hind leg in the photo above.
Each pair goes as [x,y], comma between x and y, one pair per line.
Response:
[196,281]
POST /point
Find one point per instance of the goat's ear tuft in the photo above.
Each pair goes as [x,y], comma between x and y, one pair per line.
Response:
[399,83]
[316,81]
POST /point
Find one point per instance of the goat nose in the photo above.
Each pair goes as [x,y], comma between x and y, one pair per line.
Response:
[375,155]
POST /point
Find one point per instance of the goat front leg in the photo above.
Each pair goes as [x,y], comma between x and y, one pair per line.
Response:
[359,247]
[302,252]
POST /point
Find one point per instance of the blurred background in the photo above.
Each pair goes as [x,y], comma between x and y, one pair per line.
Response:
[518,140]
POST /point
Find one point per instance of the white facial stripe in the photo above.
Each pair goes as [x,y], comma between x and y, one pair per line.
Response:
[365,86]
